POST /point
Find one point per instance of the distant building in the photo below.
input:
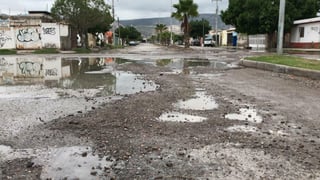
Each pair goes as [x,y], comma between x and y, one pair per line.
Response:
[306,33]
[36,30]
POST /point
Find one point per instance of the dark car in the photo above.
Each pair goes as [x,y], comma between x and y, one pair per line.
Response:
[195,42]
[133,43]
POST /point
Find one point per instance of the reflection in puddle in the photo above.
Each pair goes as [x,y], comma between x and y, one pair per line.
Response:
[72,163]
[180,117]
[246,114]
[241,128]
[73,73]
[63,163]
[128,83]
[201,101]
[184,65]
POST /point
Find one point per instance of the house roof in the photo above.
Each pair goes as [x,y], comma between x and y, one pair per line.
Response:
[306,21]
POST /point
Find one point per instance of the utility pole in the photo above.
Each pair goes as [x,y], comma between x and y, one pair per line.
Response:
[171,39]
[216,24]
[281,26]
[113,29]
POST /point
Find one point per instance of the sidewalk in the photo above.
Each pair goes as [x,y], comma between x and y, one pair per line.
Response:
[312,74]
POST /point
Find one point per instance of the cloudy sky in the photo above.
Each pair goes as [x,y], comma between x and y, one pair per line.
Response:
[124,9]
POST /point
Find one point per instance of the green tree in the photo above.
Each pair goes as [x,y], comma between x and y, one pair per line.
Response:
[85,16]
[128,33]
[184,10]
[160,28]
[199,28]
[261,16]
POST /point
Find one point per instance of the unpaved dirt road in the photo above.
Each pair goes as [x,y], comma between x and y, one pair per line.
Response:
[205,118]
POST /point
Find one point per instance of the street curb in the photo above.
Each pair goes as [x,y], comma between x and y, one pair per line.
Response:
[312,74]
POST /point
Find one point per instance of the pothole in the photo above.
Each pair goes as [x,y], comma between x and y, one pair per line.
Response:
[78,162]
[200,101]
[246,114]
[180,117]
[242,128]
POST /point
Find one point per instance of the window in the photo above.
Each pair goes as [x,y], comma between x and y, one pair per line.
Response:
[301,32]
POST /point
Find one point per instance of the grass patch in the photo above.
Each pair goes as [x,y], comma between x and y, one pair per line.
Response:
[82,50]
[288,61]
[7,51]
[46,51]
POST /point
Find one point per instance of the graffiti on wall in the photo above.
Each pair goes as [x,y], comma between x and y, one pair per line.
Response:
[4,38]
[28,68]
[3,64]
[28,35]
[49,30]
[51,72]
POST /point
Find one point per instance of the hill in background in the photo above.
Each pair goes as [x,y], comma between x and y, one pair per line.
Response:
[147,26]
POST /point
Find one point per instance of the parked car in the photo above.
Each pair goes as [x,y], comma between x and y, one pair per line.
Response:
[195,42]
[133,43]
[208,41]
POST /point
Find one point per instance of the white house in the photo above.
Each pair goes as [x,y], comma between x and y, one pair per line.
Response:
[306,33]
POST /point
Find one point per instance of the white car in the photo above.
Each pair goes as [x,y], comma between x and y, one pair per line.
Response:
[209,42]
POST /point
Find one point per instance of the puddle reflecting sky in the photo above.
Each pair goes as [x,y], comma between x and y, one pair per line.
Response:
[73,73]
[182,65]
[201,101]
[180,117]
[78,162]
[246,114]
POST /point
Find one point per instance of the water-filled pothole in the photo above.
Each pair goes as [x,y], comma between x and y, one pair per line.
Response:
[77,162]
[246,114]
[180,117]
[242,128]
[201,101]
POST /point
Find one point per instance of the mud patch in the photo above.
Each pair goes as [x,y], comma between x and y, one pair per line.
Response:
[231,161]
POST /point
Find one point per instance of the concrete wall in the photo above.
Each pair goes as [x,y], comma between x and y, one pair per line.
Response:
[33,34]
[50,35]
[7,38]
[28,37]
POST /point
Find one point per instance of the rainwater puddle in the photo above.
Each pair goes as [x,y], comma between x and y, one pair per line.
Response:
[242,128]
[72,163]
[200,101]
[184,65]
[128,83]
[72,73]
[246,114]
[63,163]
[180,117]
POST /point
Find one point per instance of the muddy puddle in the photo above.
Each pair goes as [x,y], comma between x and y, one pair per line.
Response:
[181,117]
[249,114]
[242,128]
[200,101]
[73,73]
[63,163]
[185,65]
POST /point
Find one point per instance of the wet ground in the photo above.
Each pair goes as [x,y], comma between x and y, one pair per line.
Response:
[150,112]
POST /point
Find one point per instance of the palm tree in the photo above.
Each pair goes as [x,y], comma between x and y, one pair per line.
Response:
[184,10]
[160,28]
